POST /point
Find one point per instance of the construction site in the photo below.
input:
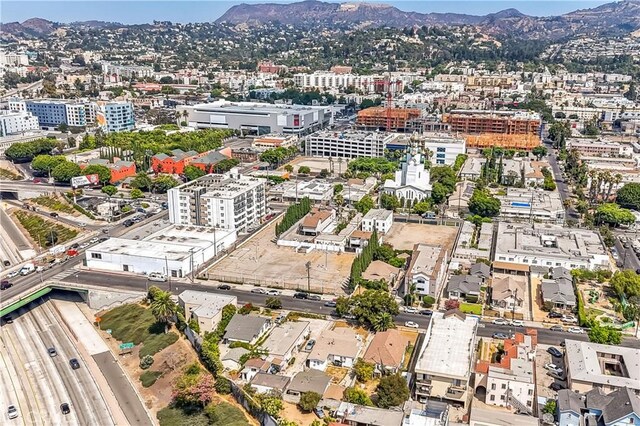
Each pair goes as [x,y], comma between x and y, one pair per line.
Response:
[390,119]
[521,142]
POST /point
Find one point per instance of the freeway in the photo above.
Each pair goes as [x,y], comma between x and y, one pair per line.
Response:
[39,383]
[127,282]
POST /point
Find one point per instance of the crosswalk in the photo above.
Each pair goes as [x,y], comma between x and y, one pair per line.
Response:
[61,275]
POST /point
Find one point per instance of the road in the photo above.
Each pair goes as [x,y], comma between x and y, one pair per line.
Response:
[563,188]
[13,92]
[127,282]
[627,256]
[38,383]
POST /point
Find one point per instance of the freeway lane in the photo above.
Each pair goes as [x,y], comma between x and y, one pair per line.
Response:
[126,282]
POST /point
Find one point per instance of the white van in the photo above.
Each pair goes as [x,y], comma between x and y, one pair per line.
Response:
[157,276]
[27,268]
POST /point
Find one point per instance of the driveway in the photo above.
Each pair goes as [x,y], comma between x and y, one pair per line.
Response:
[543,379]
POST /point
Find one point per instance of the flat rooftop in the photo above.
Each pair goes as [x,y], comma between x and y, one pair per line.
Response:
[353,135]
[378,214]
[536,200]
[209,304]
[448,347]
[249,107]
[284,336]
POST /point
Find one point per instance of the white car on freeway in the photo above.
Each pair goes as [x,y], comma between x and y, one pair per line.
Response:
[411,324]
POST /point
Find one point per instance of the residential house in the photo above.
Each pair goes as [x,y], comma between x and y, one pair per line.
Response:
[618,408]
[607,367]
[558,293]
[231,359]
[510,381]
[443,368]
[264,382]
[205,308]
[492,417]
[472,168]
[387,350]
[252,367]
[306,381]
[246,328]
[285,340]
[508,293]
[359,415]
[532,172]
[482,271]
[379,270]
[379,219]
[436,413]
[338,347]
[458,202]
[427,270]
[316,221]
[463,286]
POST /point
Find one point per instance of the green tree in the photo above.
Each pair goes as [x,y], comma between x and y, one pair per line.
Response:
[136,193]
[26,151]
[65,171]
[288,168]
[605,335]
[46,163]
[422,207]
[548,184]
[273,303]
[356,396]
[271,403]
[103,172]
[438,193]
[629,196]
[193,172]
[614,215]
[110,190]
[309,401]
[626,283]
[364,205]
[142,181]
[374,308]
[392,391]
[363,370]
[445,176]
[539,151]
[389,201]
[482,203]
[304,170]
[163,183]
[550,407]
[163,308]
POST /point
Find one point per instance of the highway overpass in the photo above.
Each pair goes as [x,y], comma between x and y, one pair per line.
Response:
[26,189]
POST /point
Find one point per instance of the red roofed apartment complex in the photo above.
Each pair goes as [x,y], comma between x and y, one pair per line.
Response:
[120,170]
[163,163]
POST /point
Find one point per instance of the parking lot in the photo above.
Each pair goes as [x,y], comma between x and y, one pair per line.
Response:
[260,261]
[543,379]
[37,382]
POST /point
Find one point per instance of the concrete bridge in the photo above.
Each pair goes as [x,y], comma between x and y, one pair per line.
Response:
[24,190]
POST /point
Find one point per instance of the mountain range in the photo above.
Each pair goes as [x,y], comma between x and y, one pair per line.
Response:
[616,18]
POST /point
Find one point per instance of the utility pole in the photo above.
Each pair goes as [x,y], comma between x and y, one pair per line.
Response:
[308,266]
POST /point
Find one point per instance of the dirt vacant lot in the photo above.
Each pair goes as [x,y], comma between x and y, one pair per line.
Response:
[260,261]
[404,236]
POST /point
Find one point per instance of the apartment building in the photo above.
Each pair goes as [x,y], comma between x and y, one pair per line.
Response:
[444,366]
[391,120]
[379,219]
[427,270]
[230,201]
[53,112]
[443,149]
[119,116]
[507,122]
[599,147]
[347,144]
[466,252]
[532,205]
[367,84]
[15,122]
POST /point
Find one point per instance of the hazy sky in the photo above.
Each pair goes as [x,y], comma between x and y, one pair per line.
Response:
[132,12]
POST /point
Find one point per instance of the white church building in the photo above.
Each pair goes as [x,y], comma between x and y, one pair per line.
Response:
[411,181]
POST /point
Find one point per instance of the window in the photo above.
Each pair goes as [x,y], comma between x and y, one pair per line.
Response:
[501,397]
[96,255]
[492,398]
[504,386]
[441,149]
[493,386]
[530,392]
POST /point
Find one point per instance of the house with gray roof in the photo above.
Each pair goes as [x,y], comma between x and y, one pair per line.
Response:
[559,293]
[285,340]
[246,328]
[306,381]
[265,382]
[231,360]
[620,407]
[461,286]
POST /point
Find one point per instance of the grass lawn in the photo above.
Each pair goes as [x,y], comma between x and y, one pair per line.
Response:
[54,203]
[41,230]
[148,378]
[226,415]
[471,308]
[133,323]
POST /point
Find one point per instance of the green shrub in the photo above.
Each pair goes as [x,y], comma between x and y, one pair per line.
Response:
[148,378]
[146,362]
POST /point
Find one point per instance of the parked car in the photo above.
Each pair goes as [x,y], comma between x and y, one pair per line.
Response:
[550,366]
[554,314]
[427,312]
[64,407]
[12,412]
[569,319]
[258,290]
[501,336]
[300,295]
[410,310]
[224,287]
[556,386]
[127,223]
[557,375]
[73,362]
[517,323]
[556,328]
[314,297]
[280,318]
[330,304]
[554,352]
[75,245]
[93,240]
[273,293]
[52,352]
[309,345]
[411,324]
[54,214]
[158,277]
[5,285]
[575,330]
[500,321]
[319,412]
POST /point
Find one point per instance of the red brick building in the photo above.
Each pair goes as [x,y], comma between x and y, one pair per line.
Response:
[120,169]
[163,163]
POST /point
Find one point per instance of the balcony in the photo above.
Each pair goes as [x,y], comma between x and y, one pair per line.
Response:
[456,392]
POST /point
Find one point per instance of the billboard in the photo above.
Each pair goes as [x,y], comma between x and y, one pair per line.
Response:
[85,180]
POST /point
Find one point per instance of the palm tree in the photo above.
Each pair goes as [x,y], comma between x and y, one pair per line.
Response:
[382,322]
[615,180]
[163,308]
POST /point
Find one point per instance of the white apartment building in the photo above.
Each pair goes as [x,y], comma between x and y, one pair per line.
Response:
[14,122]
[347,144]
[13,59]
[427,270]
[230,201]
[599,147]
[444,149]
[378,219]
[532,204]
[326,80]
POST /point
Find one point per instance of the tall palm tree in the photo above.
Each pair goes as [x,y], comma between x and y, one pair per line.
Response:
[593,174]
[382,322]
[615,180]
[163,308]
